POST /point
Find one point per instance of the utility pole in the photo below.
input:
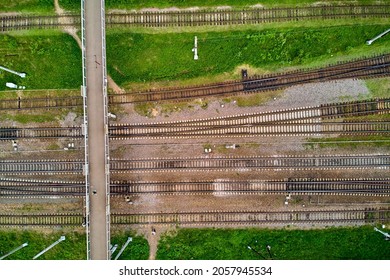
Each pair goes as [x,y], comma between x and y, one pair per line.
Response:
[14,250]
[269,251]
[124,247]
[62,238]
[250,248]
[387,235]
[369,42]
[22,75]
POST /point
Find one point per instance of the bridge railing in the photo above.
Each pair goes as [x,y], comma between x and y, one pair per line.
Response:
[106,139]
[85,129]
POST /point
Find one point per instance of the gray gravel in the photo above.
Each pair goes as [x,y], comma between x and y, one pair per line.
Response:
[320,93]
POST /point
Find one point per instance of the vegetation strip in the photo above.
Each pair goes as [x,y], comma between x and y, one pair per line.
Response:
[286,244]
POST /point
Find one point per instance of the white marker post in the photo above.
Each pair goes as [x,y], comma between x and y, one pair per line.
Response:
[195,49]
[22,75]
[62,238]
[369,42]
[14,250]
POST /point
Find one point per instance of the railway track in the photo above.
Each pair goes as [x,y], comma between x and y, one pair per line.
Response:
[315,120]
[310,114]
[209,218]
[41,103]
[231,187]
[206,164]
[250,130]
[13,133]
[364,68]
[202,17]
[253,217]
[37,167]
[378,66]
[243,164]
[302,186]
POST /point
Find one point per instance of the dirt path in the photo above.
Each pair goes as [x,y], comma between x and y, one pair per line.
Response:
[152,237]
[73,32]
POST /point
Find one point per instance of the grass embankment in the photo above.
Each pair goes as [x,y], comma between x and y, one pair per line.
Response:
[51,60]
[136,4]
[357,243]
[153,58]
[27,6]
[73,248]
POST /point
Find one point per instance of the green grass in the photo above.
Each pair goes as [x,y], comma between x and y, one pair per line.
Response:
[379,88]
[138,249]
[36,117]
[352,143]
[140,58]
[72,248]
[57,93]
[256,99]
[135,4]
[51,60]
[226,244]
[165,108]
[28,6]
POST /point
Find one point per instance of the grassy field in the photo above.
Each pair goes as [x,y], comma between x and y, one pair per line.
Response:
[356,243]
[28,6]
[73,248]
[135,4]
[51,60]
[140,57]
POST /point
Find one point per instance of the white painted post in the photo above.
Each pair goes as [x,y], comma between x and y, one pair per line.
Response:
[14,250]
[22,75]
[195,49]
[62,238]
[124,247]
